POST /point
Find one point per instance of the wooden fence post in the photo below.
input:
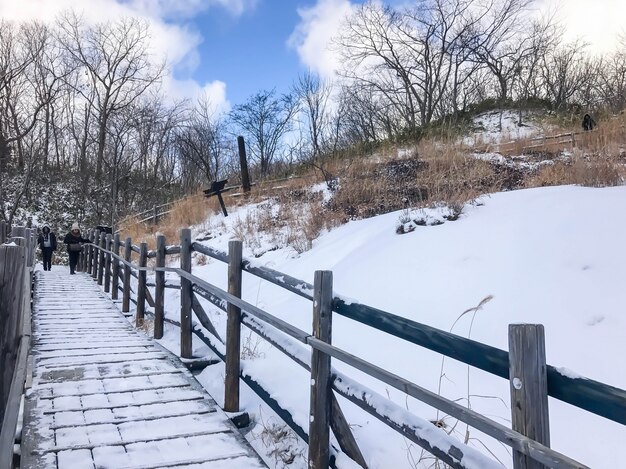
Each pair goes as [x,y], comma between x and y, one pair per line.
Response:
[12,260]
[101,258]
[96,255]
[3,231]
[233,329]
[88,252]
[186,295]
[529,388]
[159,290]
[319,415]
[107,264]
[141,285]
[115,268]
[17,231]
[243,164]
[28,236]
[126,286]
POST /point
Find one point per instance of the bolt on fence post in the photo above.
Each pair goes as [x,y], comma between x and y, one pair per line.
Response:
[233,329]
[186,295]
[319,415]
[529,388]
[141,285]
[107,264]
[115,269]
[159,290]
[101,258]
[126,283]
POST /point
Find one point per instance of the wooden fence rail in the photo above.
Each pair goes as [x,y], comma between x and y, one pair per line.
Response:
[16,267]
[532,380]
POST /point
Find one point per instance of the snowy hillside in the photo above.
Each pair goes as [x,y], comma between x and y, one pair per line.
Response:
[553,256]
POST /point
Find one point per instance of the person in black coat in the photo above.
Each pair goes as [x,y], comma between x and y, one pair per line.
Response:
[73,240]
[588,123]
[47,243]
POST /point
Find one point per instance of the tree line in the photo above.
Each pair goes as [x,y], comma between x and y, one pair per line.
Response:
[85,102]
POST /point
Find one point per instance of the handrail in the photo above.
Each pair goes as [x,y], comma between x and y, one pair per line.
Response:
[593,396]
[493,360]
[11,411]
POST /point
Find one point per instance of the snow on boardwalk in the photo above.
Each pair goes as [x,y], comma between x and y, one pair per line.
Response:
[105,396]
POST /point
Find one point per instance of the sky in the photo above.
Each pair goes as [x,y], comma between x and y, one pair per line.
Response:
[230,49]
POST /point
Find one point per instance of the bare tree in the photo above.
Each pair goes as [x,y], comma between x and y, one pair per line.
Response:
[113,66]
[264,119]
[201,141]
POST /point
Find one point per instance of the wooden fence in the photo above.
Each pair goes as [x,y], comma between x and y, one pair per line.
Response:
[531,379]
[16,266]
[571,139]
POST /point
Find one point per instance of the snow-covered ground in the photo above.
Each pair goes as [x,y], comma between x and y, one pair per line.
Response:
[551,255]
[500,126]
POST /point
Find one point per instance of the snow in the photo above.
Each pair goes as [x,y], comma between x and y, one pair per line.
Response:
[549,255]
[488,129]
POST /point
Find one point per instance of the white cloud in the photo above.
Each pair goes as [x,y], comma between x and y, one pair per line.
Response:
[598,23]
[171,37]
[214,91]
[312,36]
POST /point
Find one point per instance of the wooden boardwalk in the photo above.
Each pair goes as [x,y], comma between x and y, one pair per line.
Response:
[105,396]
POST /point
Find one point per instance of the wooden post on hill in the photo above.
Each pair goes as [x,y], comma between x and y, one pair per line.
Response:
[243,163]
[233,329]
[529,388]
[3,231]
[186,295]
[107,264]
[319,415]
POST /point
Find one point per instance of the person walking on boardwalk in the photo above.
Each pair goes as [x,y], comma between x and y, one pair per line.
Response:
[73,240]
[48,244]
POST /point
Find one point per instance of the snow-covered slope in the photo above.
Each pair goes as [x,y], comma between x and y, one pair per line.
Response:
[553,256]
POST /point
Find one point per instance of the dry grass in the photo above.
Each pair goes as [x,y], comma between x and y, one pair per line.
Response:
[585,171]
[435,172]
[438,171]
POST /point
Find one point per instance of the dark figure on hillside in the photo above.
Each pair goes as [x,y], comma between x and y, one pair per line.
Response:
[48,244]
[73,240]
[588,123]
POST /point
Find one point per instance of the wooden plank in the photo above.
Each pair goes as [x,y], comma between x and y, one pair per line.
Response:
[159,292]
[529,388]
[319,414]
[343,433]
[233,330]
[127,272]
[204,318]
[141,286]
[186,295]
